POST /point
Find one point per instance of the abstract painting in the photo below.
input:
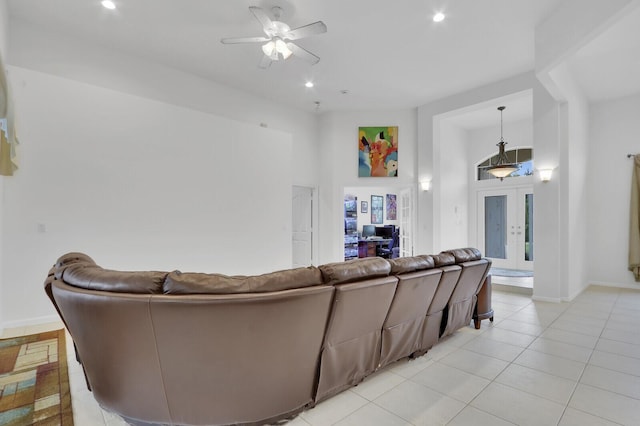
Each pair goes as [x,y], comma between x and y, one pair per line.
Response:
[378,151]
[392,209]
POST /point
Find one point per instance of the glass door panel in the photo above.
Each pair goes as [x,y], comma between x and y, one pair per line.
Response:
[495,226]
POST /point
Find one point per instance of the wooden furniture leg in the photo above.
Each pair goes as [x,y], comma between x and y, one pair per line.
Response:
[483,305]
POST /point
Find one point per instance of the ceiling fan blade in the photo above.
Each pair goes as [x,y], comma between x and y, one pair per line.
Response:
[236,40]
[262,17]
[306,31]
[265,62]
[303,54]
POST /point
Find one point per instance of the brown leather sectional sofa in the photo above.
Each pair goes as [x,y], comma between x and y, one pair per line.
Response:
[202,349]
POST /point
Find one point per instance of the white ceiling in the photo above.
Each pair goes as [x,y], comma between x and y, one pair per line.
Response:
[385,54]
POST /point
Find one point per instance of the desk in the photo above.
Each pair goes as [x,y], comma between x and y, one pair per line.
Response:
[368,248]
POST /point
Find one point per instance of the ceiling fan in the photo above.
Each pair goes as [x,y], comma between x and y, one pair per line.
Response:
[277,42]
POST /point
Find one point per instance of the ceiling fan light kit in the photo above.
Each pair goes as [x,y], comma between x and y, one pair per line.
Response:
[277,43]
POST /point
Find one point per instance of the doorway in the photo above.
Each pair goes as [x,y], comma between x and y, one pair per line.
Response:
[505,227]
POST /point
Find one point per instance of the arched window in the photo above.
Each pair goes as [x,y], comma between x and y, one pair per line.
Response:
[523,157]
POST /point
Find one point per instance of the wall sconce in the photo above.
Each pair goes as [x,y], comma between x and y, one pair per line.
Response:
[425,185]
[545,174]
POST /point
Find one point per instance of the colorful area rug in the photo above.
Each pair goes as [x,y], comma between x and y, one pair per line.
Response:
[34,381]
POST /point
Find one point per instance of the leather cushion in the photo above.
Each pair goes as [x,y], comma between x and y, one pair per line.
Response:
[199,283]
[465,254]
[444,259]
[93,277]
[402,265]
[355,270]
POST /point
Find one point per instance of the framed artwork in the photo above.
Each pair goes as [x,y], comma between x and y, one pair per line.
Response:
[376,209]
[392,208]
[364,206]
[378,151]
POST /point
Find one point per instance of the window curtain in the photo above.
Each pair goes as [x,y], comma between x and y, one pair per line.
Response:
[8,139]
[634,222]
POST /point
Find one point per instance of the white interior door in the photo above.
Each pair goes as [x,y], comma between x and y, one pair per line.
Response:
[302,229]
[505,227]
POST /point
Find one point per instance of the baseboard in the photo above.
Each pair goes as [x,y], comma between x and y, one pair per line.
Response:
[547,299]
[615,285]
[29,322]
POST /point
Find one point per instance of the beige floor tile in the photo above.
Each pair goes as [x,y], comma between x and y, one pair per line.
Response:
[410,367]
[620,348]
[623,364]
[420,405]
[551,364]
[521,327]
[8,333]
[570,337]
[334,409]
[41,328]
[536,317]
[577,327]
[502,309]
[510,337]
[372,415]
[611,406]
[621,336]
[585,312]
[474,363]
[377,384]
[537,383]
[613,381]
[494,348]
[475,417]
[625,326]
[562,350]
[573,417]
[451,381]
[517,406]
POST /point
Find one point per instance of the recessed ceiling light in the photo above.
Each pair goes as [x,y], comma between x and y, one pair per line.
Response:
[309,84]
[438,17]
[108,4]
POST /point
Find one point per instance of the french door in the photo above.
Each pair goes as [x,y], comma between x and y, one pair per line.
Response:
[505,227]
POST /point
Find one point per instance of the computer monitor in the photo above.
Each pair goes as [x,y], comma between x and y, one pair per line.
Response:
[368,231]
[384,231]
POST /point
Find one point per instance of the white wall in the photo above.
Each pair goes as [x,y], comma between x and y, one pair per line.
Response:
[574,153]
[68,57]
[614,129]
[137,184]
[451,214]
[339,159]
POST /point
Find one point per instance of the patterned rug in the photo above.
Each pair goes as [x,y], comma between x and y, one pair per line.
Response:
[34,382]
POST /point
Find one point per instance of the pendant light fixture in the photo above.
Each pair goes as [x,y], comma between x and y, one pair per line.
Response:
[502,168]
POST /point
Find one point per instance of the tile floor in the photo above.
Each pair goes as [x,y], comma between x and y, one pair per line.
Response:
[538,364]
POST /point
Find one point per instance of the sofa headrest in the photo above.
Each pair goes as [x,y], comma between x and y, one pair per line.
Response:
[444,259]
[465,254]
[93,277]
[199,283]
[69,259]
[402,265]
[354,270]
